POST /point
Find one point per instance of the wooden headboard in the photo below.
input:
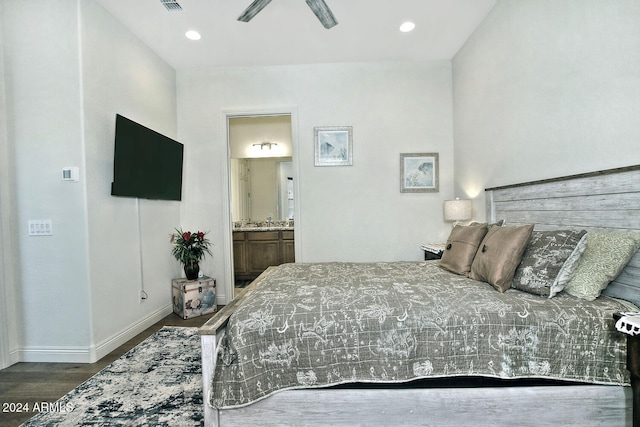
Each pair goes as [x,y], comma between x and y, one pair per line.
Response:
[603,200]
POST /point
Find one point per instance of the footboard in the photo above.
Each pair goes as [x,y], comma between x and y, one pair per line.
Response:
[208,344]
[210,334]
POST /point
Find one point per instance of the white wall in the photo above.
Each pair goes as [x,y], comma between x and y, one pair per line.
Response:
[45,134]
[354,213]
[121,75]
[547,88]
[68,68]
[8,328]
[246,131]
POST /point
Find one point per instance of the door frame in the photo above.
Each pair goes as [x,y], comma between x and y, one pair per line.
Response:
[7,254]
[226,114]
[7,296]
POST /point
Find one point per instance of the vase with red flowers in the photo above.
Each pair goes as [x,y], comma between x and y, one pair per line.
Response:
[190,248]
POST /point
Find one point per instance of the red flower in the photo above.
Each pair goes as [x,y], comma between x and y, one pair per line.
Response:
[188,246]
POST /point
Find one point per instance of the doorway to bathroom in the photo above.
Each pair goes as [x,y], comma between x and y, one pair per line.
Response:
[262,196]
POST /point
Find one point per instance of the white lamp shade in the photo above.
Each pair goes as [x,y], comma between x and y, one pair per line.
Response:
[457,210]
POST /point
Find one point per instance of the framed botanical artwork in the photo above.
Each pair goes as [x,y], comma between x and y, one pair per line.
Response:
[333,146]
[419,173]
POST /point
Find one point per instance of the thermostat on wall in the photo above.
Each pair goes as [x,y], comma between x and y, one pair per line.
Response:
[71,174]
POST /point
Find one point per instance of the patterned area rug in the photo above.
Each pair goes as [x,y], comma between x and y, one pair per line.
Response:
[157,383]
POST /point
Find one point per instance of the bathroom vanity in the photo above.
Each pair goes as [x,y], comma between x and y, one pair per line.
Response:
[257,246]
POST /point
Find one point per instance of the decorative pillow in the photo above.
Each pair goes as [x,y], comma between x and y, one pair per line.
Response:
[606,254]
[461,247]
[549,261]
[499,254]
[570,266]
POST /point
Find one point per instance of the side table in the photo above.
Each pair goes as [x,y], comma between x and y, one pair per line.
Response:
[633,365]
[432,251]
[193,298]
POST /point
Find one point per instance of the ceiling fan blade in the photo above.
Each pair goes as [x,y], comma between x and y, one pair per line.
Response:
[323,13]
[253,10]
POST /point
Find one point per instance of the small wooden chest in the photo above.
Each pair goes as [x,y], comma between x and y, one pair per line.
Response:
[193,298]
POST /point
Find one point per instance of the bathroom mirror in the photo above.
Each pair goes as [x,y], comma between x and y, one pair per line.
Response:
[262,188]
[261,171]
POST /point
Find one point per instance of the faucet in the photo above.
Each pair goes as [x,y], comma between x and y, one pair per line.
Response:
[268,221]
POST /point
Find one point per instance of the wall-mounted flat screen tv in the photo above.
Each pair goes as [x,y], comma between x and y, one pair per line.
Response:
[146,164]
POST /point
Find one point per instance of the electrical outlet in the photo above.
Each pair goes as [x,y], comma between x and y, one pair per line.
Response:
[41,227]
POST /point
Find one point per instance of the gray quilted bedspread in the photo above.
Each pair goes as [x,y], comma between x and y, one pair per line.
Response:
[314,325]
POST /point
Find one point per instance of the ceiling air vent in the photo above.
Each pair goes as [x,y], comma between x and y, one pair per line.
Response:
[171,5]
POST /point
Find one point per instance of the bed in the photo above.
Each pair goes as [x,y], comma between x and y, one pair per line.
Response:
[421,343]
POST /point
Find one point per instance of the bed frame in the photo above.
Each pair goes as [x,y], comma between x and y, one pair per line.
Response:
[604,200]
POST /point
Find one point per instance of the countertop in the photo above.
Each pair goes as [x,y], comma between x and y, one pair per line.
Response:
[263,226]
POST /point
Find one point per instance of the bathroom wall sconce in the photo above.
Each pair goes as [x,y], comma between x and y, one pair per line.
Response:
[457,210]
[265,144]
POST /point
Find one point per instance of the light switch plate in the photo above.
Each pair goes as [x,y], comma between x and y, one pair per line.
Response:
[41,227]
[71,173]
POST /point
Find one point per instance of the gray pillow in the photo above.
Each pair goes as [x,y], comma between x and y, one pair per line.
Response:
[549,261]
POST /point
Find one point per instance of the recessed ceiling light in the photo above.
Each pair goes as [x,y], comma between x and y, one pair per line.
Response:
[192,35]
[407,26]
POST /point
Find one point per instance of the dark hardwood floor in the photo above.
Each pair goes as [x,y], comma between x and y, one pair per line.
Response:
[47,382]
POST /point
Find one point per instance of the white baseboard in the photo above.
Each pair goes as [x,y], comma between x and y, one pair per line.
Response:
[54,354]
[14,357]
[88,354]
[115,341]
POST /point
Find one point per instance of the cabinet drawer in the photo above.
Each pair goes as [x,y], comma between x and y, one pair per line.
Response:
[262,235]
[238,235]
[287,235]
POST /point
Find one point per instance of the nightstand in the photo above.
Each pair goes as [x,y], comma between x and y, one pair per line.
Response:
[432,250]
[633,366]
